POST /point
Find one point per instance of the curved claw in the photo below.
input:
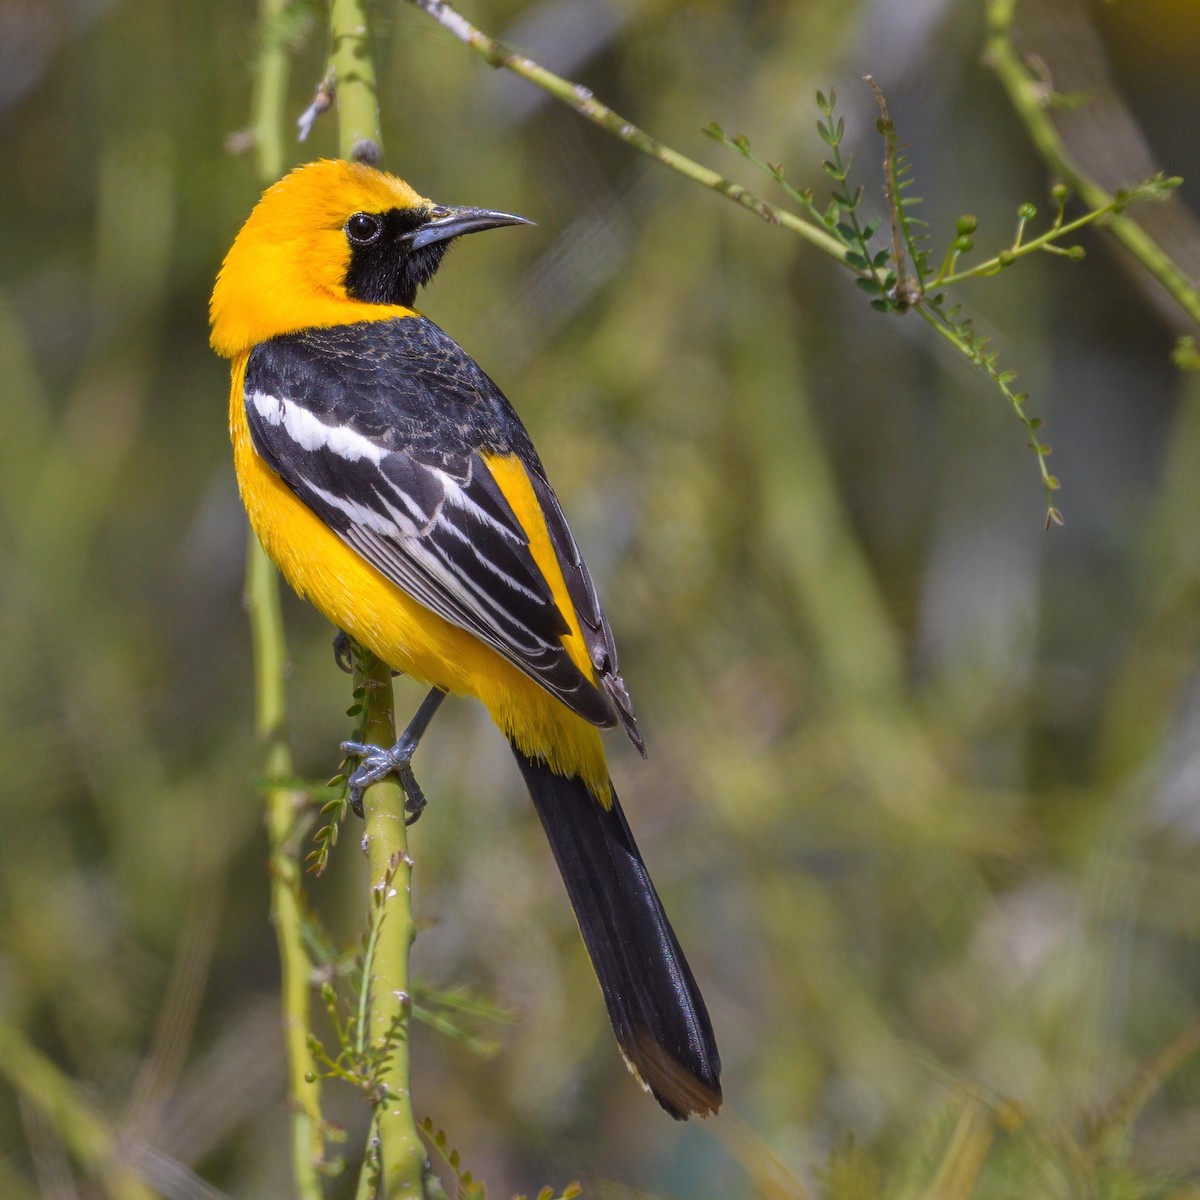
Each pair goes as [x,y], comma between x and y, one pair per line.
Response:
[343,651]
[378,763]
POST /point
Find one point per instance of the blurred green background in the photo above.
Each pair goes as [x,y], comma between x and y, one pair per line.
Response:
[923,795]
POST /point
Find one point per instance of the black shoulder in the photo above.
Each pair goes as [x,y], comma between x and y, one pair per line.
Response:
[403,383]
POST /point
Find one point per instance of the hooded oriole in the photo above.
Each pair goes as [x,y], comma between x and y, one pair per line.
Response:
[395,487]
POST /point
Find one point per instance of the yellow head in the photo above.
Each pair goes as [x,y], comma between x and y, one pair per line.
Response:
[331,243]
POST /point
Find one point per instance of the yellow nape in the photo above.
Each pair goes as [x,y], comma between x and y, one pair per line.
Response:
[286,267]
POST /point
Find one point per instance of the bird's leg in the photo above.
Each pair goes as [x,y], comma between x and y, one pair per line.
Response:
[377,762]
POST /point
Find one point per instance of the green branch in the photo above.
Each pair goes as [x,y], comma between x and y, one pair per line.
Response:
[402,1161]
[402,1165]
[284,804]
[581,100]
[270,90]
[1028,96]
[359,136]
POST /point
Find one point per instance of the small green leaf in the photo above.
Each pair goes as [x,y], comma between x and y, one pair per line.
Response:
[714,131]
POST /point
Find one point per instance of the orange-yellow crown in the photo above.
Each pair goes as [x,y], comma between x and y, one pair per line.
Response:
[287,266]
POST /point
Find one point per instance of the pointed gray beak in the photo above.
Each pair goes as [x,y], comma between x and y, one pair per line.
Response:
[446,222]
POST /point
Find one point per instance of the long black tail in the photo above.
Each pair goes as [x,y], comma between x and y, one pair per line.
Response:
[656,1008]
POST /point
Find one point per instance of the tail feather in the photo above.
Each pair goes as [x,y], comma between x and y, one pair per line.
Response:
[656,1009]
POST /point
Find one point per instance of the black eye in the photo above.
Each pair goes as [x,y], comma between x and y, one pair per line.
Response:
[363,228]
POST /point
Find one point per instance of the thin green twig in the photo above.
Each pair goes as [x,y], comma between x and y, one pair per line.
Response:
[918,294]
[284,803]
[353,71]
[1027,95]
[579,98]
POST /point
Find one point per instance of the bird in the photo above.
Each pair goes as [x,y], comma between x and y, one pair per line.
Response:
[395,487]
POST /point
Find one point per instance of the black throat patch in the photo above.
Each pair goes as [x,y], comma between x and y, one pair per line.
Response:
[387,271]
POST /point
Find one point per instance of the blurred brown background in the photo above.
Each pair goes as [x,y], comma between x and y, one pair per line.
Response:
[923,795]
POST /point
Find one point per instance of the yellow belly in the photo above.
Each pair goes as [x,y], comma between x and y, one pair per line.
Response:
[344,587]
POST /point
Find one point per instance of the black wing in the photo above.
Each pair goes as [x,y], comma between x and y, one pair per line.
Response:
[382,429]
